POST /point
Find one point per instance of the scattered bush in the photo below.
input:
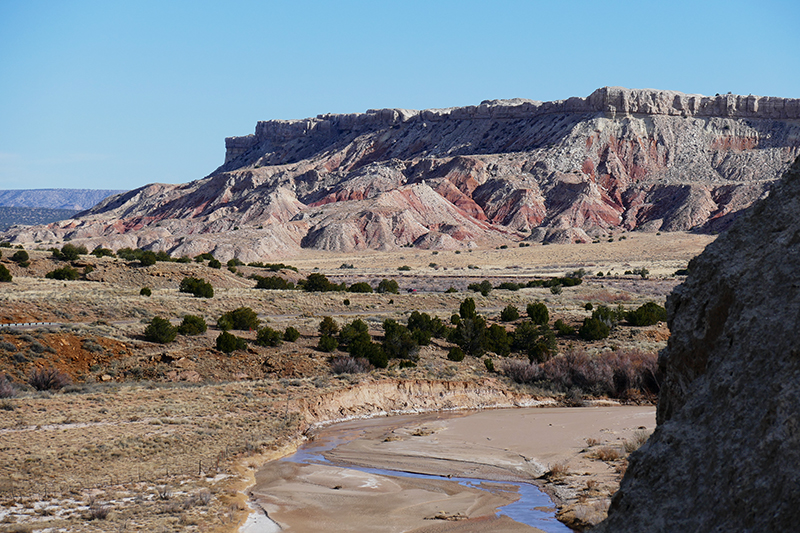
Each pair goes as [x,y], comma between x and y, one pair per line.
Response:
[538,342]
[538,313]
[594,329]
[160,330]
[509,314]
[198,287]
[521,371]
[388,285]
[267,336]
[328,343]
[456,354]
[398,343]
[148,258]
[498,340]
[21,257]
[66,273]
[274,267]
[5,275]
[489,364]
[69,252]
[242,318]
[404,268]
[192,325]
[346,301]
[214,263]
[647,315]
[50,378]
[328,326]
[638,440]
[234,262]
[229,343]
[361,286]
[508,286]
[350,365]
[7,388]
[145,291]
[291,334]
[316,282]
[103,252]
[588,306]
[484,287]
[563,328]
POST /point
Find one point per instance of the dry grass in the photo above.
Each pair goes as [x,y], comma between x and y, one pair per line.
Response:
[608,454]
[639,438]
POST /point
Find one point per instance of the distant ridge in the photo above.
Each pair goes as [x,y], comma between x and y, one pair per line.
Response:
[32,216]
[71,199]
[501,172]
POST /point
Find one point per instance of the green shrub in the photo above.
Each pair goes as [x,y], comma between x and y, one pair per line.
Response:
[214,263]
[317,282]
[497,340]
[163,256]
[361,286]
[328,343]
[70,252]
[489,364]
[242,318]
[588,306]
[398,343]
[145,291]
[537,341]
[346,301]
[509,314]
[196,286]
[451,290]
[291,334]
[234,262]
[202,257]
[228,343]
[20,256]
[456,354]
[484,287]
[470,335]
[64,273]
[147,258]
[192,325]
[127,254]
[467,309]
[563,328]
[184,259]
[102,252]
[267,336]
[328,326]
[594,329]
[5,275]
[538,313]
[388,285]
[160,330]
[508,286]
[647,315]
[404,268]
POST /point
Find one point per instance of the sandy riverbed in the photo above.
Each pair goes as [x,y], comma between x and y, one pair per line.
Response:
[503,445]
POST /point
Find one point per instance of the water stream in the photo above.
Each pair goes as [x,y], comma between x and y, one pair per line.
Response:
[533,508]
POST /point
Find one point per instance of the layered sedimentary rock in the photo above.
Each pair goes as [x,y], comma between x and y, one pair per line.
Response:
[726,453]
[501,171]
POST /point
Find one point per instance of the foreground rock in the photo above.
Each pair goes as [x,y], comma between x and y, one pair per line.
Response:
[499,172]
[726,453]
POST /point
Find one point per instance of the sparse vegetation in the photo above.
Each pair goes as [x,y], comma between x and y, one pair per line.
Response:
[145,291]
[291,334]
[388,286]
[647,315]
[509,314]
[275,283]
[267,336]
[538,313]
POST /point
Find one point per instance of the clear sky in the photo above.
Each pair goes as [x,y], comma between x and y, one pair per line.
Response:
[115,95]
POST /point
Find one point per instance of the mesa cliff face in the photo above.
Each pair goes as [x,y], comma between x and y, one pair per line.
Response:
[726,453]
[502,171]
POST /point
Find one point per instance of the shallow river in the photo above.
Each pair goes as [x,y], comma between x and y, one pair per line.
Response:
[430,472]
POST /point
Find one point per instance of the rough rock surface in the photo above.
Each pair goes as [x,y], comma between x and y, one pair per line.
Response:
[443,178]
[726,453]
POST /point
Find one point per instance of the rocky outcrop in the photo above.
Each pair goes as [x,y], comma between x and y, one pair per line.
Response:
[501,171]
[726,453]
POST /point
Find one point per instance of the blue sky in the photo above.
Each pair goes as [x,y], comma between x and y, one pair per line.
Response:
[116,95]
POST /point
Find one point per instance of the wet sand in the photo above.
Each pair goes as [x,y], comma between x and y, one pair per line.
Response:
[502,445]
